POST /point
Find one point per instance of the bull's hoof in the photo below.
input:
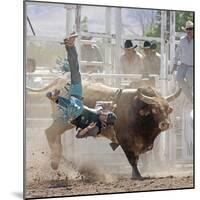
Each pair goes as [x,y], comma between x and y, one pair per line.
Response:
[141,178]
[54,165]
[55,160]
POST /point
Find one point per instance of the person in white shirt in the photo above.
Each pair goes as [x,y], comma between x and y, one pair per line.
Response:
[183,61]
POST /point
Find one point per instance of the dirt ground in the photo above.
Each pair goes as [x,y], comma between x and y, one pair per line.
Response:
[70,179]
[121,184]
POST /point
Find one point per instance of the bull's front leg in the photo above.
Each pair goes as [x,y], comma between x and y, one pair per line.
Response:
[133,160]
[135,172]
[53,135]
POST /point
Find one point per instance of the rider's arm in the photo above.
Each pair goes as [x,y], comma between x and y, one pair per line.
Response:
[90,130]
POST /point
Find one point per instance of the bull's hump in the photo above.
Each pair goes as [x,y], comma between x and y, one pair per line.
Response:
[99,90]
[129,93]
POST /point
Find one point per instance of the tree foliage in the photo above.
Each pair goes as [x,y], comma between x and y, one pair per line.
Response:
[154,29]
[181,18]
[84,24]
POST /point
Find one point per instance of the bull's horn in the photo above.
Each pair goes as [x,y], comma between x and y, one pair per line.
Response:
[36,89]
[173,96]
[147,99]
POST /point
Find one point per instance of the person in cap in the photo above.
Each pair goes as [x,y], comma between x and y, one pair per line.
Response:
[89,121]
[147,58]
[183,61]
[151,59]
[131,60]
[155,57]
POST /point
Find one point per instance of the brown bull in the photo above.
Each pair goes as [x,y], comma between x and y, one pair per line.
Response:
[142,115]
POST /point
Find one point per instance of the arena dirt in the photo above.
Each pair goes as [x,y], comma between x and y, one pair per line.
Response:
[96,184]
[70,179]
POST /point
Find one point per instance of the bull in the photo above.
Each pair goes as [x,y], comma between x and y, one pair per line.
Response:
[142,115]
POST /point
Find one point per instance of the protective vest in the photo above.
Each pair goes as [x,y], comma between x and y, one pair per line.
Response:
[87,117]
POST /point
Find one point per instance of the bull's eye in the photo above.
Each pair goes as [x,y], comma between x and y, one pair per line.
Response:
[155,110]
[169,110]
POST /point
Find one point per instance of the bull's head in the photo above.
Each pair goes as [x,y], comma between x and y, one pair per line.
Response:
[157,106]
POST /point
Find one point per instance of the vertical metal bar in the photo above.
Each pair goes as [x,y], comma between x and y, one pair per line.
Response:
[163,50]
[107,41]
[69,28]
[172,134]
[78,18]
[78,29]
[69,23]
[172,37]
[118,26]
[162,142]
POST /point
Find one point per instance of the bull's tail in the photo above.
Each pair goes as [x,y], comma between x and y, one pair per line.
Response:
[44,88]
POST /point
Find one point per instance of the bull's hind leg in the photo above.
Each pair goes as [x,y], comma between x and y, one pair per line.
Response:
[56,153]
[53,134]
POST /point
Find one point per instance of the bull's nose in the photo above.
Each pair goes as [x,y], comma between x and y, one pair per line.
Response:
[164,126]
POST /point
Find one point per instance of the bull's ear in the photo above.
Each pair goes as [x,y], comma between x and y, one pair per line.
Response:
[114,107]
[170,109]
[154,110]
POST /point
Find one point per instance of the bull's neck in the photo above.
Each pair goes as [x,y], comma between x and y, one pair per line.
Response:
[146,126]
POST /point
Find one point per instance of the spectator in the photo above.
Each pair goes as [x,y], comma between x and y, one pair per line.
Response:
[151,58]
[32,81]
[155,57]
[183,61]
[131,60]
[31,65]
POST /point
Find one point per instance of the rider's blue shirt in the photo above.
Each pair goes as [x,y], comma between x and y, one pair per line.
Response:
[71,107]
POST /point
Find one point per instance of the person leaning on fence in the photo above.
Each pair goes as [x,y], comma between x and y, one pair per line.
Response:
[90,121]
[156,58]
[147,58]
[151,59]
[131,60]
[183,61]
